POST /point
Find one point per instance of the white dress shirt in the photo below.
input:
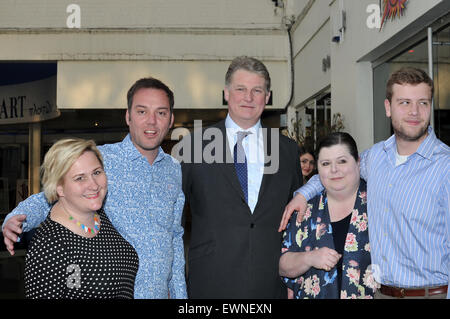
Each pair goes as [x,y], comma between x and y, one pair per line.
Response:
[254,152]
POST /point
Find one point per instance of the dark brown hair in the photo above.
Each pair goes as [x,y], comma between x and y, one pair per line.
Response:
[149,83]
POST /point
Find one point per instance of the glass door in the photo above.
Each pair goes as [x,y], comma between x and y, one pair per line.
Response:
[441,72]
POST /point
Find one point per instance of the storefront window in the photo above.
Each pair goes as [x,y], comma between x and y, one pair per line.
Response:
[313,121]
[441,48]
[13,175]
[27,95]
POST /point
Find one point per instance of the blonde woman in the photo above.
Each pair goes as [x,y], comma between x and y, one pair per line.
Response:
[76,252]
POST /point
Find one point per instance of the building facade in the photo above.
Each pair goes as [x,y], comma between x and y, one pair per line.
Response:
[65,67]
[343,57]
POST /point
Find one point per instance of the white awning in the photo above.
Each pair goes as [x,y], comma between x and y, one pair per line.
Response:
[196,84]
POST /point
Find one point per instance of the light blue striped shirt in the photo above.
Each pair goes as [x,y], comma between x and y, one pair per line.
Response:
[144,203]
[254,151]
[408,208]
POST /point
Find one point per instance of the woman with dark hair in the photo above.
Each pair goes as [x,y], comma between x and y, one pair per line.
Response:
[327,255]
[307,163]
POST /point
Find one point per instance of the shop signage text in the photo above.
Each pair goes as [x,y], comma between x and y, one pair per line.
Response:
[28,102]
[13,108]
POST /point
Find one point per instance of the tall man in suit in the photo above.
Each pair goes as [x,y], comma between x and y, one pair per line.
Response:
[237,200]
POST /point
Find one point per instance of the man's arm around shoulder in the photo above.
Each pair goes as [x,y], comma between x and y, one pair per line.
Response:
[26,216]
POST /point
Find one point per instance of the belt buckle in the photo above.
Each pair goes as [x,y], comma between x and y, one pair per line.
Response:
[402,293]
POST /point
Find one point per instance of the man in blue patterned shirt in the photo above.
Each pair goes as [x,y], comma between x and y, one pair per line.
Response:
[145,200]
[407,195]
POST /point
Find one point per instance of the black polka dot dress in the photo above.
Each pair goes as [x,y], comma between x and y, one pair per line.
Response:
[61,264]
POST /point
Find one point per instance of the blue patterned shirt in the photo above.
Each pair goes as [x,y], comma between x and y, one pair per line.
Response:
[145,204]
[409,216]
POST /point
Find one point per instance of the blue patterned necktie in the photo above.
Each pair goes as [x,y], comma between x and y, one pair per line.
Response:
[240,162]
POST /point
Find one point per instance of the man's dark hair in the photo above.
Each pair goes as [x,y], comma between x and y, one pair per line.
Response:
[149,83]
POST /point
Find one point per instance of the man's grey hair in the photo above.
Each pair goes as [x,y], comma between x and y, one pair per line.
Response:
[249,64]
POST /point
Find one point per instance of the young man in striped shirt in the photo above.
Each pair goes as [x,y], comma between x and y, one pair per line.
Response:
[408,195]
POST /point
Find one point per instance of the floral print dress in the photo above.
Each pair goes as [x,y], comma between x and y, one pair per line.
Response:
[314,232]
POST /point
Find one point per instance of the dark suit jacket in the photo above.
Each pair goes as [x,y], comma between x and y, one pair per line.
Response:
[234,253]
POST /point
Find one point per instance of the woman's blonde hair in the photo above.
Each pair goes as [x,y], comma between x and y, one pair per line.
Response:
[58,160]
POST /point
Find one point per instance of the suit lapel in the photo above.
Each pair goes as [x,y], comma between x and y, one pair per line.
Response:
[227,168]
[229,171]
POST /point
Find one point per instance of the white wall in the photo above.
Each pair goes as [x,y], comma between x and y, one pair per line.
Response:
[253,14]
[310,37]
[140,45]
[199,37]
[309,76]
[311,44]
[351,81]
[104,84]
[351,60]
[142,30]
[188,44]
